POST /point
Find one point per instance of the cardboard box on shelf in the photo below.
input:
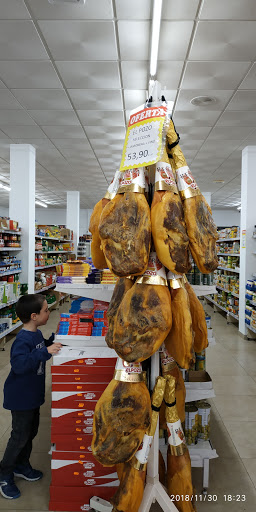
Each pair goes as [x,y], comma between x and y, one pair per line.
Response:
[95,373]
[81,495]
[76,443]
[77,474]
[198,380]
[92,356]
[4,223]
[65,233]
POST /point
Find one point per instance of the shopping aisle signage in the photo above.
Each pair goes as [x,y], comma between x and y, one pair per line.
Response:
[143,141]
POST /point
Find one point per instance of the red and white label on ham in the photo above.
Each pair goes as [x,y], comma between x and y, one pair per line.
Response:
[164,173]
[128,368]
[185,179]
[133,179]
[155,267]
[175,434]
[144,449]
[114,185]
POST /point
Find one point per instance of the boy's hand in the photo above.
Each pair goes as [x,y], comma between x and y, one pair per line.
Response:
[54,348]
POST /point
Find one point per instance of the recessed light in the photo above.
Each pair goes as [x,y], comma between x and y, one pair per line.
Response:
[218,181]
[203,101]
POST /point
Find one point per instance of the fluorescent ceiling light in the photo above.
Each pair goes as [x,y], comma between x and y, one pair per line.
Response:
[40,203]
[156,22]
[5,187]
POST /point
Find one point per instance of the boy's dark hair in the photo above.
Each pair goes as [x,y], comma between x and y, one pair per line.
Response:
[28,304]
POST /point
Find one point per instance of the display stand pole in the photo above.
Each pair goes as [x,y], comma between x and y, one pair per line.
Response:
[154,491]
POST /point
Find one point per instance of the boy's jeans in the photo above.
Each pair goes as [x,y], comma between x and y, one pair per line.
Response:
[24,429]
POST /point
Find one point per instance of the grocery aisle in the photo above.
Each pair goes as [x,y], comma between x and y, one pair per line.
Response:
[232,366]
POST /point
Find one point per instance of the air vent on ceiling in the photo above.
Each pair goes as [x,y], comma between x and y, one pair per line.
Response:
[203,101]
[67,1]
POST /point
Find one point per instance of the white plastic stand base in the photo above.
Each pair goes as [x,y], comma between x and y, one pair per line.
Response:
[155,492]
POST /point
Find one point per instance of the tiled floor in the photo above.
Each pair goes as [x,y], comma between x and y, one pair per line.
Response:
[232,366]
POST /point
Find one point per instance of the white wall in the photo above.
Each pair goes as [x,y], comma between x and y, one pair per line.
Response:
[4,212]
[226,217]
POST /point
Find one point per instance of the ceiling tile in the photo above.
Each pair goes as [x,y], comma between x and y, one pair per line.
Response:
[14,9]
[79,144]
[20,40]
[16,117]
[250,80]
[224,40]
[174,40]
[193,132]
[135,47]
[90,99]
[101,118]
[7,100]
[133,10]
[230,132]
[29,74]
[231,10]
[52,117]
[185,96]
[91,10]
[38,99]
[213,75]
[115,133]
[237,118]
[24,132]
[168,73]
[80,40]
[60,132]
[181,10]
[134,98]
[89,75]
[242,100]
[135,74]
[199,117]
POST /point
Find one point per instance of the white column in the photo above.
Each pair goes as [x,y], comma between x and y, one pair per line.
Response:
[208,197]
[247,243]
[22,205]
[73,214]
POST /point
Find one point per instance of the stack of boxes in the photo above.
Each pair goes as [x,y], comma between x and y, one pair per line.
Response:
[74,272]
[78,379]
[85,318]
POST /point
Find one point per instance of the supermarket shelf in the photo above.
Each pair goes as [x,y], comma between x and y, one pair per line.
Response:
[91,291]
[8,331]
[202,290]
[237,271]
[233,315]
[228,291]
[10,231]
[251,301]
[81,341]
[216,303]
[10,249]
[198,394]
[9,303]
[49,252]
[250,328]
[201,450]
[10,272]
[228,254]
[47,266]
[227,240]
[52,304]
[50,238]
[45,288]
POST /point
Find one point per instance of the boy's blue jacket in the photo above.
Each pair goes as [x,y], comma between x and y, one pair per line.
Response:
[24,387]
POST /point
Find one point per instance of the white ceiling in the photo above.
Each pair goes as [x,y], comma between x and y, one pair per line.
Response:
[69,76]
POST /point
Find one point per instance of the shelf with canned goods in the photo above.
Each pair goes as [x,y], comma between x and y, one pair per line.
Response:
[54,239]
[49,252]
[227,240]
[45,288]
[47,266]
[10,272]
[236,270]
[229,254]
[222,308]
[227,291]
[7,249]
[11,329]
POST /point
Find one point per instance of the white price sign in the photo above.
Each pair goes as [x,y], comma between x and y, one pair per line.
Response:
[143,141]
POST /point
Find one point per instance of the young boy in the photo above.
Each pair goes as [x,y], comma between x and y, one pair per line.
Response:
[24,392]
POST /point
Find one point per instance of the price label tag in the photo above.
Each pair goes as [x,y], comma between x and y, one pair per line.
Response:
[143,141]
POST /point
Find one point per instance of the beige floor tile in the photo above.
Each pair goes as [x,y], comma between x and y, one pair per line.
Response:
[250,465]
[243,435]
[221,439]
[224,368]
[240,408]
[234,385]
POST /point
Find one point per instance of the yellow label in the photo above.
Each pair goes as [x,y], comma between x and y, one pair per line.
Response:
[143,141]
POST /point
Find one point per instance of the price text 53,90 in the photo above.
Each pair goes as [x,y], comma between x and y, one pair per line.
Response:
[135,156]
